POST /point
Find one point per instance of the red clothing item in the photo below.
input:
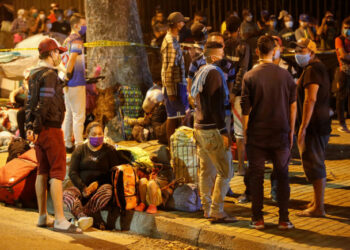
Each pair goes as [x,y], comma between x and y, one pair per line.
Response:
[340,44]
[52,17]
[51,153]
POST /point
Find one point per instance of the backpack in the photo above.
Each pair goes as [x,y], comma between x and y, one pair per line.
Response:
[17,147]
[185,198]
[124,182]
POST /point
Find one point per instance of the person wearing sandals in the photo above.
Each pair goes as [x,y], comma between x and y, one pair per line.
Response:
[89,172]
[44,116]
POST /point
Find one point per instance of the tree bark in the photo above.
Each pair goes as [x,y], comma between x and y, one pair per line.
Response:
[115,20]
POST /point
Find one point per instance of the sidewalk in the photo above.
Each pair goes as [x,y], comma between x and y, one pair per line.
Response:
[332,232]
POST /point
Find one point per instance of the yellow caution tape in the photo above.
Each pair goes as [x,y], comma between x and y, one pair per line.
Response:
[99,43]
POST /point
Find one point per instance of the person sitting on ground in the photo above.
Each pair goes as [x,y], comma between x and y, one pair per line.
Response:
[89,173]
[153,124]
[154,189]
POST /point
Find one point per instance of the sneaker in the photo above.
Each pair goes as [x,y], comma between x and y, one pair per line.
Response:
[257,224]
[343,128]
[243,199]
[152,209]
[284,225]
[85,222]
[140,207]
[70,150]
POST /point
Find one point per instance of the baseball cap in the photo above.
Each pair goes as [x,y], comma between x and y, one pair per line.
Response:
[49,44]
[306,43]
[177,17]
[304,18]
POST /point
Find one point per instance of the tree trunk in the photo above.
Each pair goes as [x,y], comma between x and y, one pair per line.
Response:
[125,65]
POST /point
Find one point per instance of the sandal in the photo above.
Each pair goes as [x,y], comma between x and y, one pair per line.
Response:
[225,219]
[307,213]
[49,223]
[72,229]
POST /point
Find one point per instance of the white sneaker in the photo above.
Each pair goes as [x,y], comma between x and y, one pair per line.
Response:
[85,222]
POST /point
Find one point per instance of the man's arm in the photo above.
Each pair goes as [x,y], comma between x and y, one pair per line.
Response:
[308,109]
[246,107]
[76,49]
[292,117]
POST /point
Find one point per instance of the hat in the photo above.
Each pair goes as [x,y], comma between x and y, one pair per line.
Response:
[177,17]
[199,30]
[283,13]
[304,18]
[306,43]
[49,44]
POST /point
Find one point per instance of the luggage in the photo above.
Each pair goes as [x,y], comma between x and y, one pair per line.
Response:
[17,180]
[124,182]
[184,158]
[185,198]
[131,105]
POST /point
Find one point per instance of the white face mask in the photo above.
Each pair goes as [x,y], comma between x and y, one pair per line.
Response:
[49,26]
[289,24]
[42,16]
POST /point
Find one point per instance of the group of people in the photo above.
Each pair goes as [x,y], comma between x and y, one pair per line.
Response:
[221,81]
[34,21]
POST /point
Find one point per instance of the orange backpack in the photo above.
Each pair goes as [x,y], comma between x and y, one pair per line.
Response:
[124,182]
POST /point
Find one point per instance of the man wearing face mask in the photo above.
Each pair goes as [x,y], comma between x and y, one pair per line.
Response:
[313,122]
[269,110]
[61,25]
[342,46]
[304,30]
[287,33]
[75,92]
[327,31]
[44,116]
[173,74]
[208,90]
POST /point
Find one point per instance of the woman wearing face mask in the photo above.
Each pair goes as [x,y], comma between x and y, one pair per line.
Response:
[287,33]
[313,122]
[89,172]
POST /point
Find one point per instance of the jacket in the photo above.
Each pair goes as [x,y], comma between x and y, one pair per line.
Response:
[45,105]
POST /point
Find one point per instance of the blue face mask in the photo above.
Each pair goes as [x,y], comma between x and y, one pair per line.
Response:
[82,30]
[302,60]
[346,32]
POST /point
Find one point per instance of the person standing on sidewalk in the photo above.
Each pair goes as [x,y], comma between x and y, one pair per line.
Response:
[44,117]
[342,46]
[211,135]
[269,111]
[313,122]
[74,92]
[173,74]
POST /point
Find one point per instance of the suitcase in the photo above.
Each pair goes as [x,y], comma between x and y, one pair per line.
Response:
[17,180]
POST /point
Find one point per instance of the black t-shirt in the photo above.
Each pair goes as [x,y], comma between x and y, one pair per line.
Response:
[267,93]
[88,166]
[315,73]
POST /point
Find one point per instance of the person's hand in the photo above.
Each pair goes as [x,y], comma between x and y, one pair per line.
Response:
[31,136]
[291,137]
[172,98]
[301,140]
[90,189]
[323,21]
[226,140]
